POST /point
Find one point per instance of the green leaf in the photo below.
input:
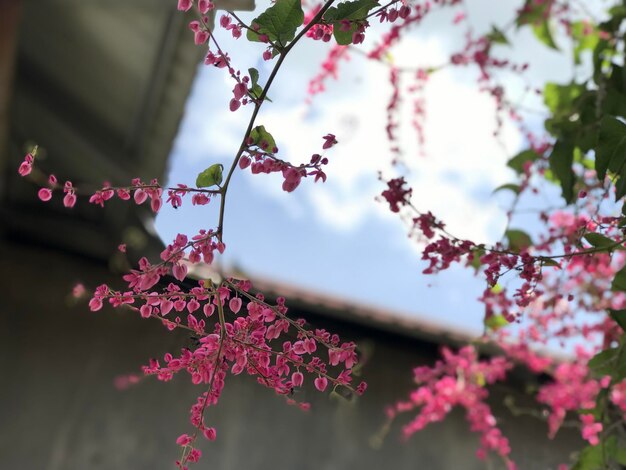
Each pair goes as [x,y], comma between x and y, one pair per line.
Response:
[602,456]
[254,75]
[256,91]
[518,240]
[599,241]
[591,458]
[496,36]
[603,363]
[510,186]
[263,139]
[620,186]
[611,149]
[543,32]
[518,161]
[476,255]
[211,176]
[495,322]
[279,22]
[537,14]
[550,262]
[561,160]
[548,175]
[531,13]
[585,37]
[610,362]
[619,281]
[619,316]
[354,11]
[560,98]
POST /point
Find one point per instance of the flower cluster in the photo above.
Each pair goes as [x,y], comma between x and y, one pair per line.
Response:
[260,156]
[235,332]
[459,379]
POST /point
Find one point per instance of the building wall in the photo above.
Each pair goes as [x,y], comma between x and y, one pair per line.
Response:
[59,409]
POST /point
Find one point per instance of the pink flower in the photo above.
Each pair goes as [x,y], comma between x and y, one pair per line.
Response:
[123,194]
[155,204]
[78,291]
[204,6]
[244,162]
[95,304]
[179,271]
[321,383]
[200,37]
[240,90]
[69,200]
[234,105]
[45,194]
[185,5]
[208,309]
[225,21]
[591,429]
[184,440]
[145,311]
[166,306]
[297,379]
[235,304]
[140,196]
[329,141]
[210,434]
[25,168]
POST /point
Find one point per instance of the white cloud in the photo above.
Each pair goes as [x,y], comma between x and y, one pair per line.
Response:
[463,160]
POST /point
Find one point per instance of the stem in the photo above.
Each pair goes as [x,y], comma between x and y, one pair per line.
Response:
[220,310]
[257,106]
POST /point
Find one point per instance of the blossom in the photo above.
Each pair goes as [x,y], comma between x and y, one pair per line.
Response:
[45,194]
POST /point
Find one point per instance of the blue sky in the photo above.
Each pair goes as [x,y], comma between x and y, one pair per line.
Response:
[334,237]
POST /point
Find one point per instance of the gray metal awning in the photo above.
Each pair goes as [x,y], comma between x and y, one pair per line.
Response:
[101,88]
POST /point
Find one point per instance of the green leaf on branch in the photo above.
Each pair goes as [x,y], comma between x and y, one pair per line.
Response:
[599,241]
[549,262]
[560,98]
[561,161]
[610,362]
[518,161]
[495,322]
[510,186]
[537,14]
[602,456]
[211,176]
[263,139]
[279,22]
[518,240]
[619,316]
[496,36]
[595,457]
[543,32]
[353,11]
[254,75]
[586,37]
[604,362]
[532,12]
[611,149]
[476,255]
[619,281]
[256,91]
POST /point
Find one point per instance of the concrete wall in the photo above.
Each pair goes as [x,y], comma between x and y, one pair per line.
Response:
[59,409]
